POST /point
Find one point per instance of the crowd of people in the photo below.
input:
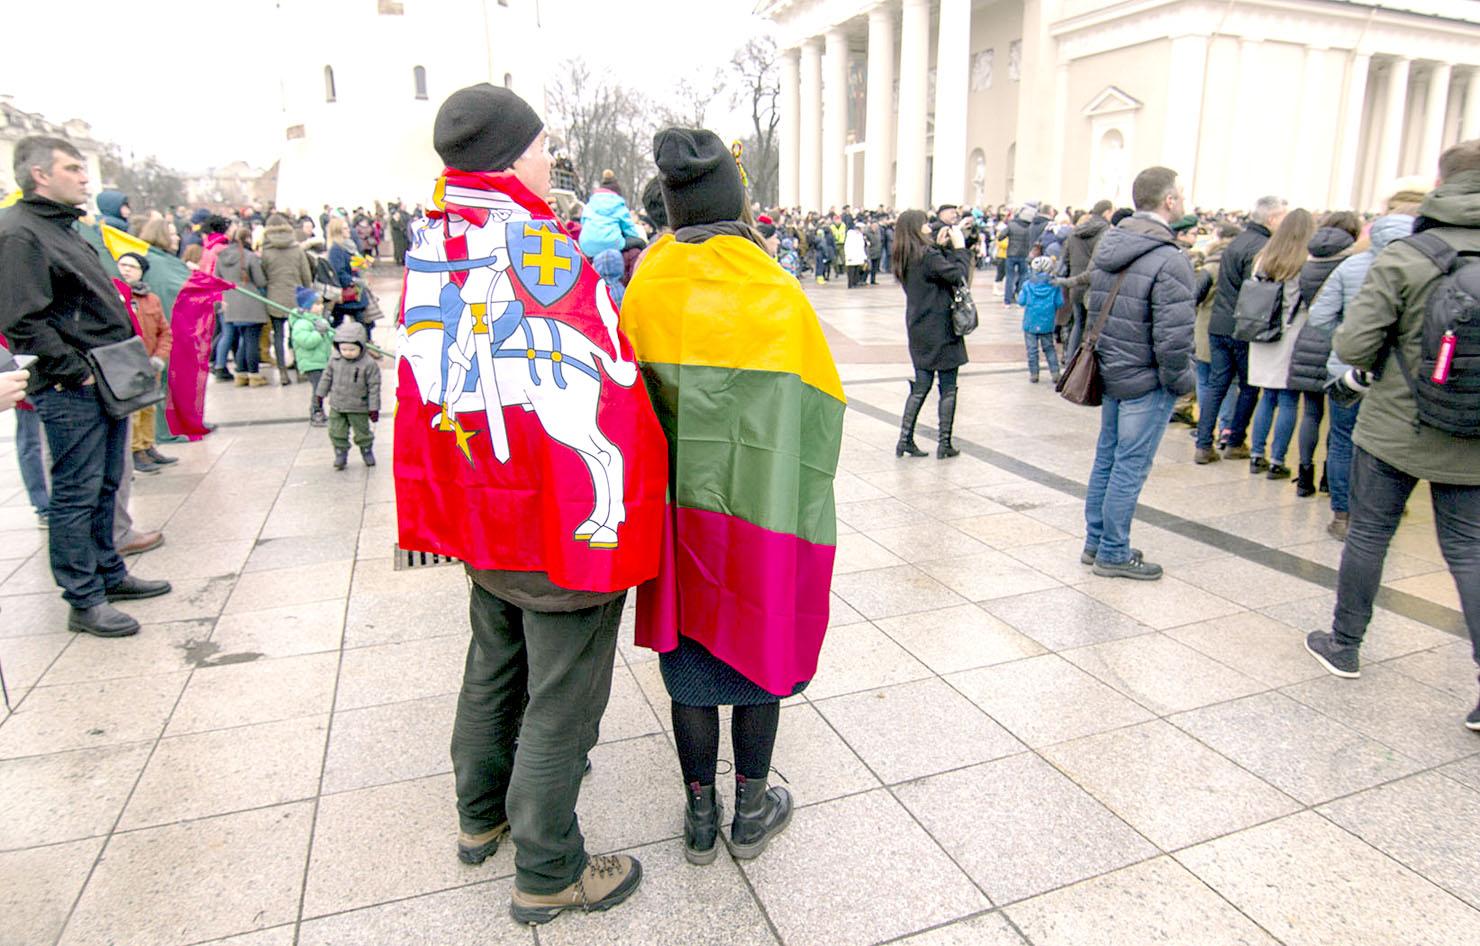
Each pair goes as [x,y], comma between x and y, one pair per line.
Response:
[1255,321]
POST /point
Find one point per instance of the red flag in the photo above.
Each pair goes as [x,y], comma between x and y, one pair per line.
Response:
[567,473]
[191,320]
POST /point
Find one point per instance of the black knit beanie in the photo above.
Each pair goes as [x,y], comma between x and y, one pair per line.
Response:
[138,258]
[484,128]
[701,183]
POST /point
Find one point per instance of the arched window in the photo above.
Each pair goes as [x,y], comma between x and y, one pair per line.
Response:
[329,95]
[419,76]
[508,80]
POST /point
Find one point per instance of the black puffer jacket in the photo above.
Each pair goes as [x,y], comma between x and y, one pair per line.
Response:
[1313,346]
[1079,249]
[1238,263]
[1147,341]
[929,287]
[1017,237]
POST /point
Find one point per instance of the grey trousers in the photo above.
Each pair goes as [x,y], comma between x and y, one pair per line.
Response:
[563,662]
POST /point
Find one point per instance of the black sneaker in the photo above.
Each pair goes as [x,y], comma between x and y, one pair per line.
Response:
[1257,465]
[145,464]
[1338,661]
[1278,471]
[1136,568]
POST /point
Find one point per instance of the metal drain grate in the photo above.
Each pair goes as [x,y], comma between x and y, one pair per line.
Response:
[405,558]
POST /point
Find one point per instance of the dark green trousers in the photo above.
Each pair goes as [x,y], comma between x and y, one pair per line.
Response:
[563,661]
[339,428]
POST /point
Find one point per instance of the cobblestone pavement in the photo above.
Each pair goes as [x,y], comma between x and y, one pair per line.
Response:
[999,748]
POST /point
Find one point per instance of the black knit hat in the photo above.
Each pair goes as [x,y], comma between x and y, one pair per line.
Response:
[484,128]
[137,258]
[701,182]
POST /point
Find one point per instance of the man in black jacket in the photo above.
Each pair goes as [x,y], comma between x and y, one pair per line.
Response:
[57,303]
[1145,358]
[1231,356]
[1019,242]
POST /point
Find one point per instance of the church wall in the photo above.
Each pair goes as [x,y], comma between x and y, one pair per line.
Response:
[1140,72]
[991,117]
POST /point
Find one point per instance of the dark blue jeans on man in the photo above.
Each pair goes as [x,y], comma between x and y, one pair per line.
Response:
[1230,360]
[87,453]
[1204,395]
[28,453]
[1017,273]
[1379,491]
[1339,454]
[1130,432]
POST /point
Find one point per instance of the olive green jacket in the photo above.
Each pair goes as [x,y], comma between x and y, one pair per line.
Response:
[1392,299]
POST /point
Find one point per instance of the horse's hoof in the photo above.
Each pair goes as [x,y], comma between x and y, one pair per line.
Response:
[586,530]
[604,538]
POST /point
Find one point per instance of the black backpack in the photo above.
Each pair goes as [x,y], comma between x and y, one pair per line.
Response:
[1446,384]
[1259,313]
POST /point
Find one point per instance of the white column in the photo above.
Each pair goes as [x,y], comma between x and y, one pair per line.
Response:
[1187,65]
[878,159]
[914,64]
[809,173]
[1060,125]
[1244,178]
[789,138]
[1470,124]
[952,81]
[1353,104]
[1390,148]
[835,119]
[1436,106]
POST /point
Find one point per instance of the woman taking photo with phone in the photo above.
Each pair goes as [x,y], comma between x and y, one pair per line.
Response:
[930,270]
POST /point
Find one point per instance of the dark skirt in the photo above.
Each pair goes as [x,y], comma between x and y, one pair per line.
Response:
[695,677]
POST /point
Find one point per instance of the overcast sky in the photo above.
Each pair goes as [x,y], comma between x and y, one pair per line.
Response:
[135,69]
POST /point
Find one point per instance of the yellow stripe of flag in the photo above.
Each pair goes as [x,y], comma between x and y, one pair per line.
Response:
[119,243]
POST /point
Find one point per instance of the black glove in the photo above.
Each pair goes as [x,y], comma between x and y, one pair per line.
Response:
[375,417]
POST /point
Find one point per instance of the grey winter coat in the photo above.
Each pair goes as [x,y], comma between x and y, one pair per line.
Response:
[286,267]
[1018,243]
[1147,340]
[1238,263]
[1313,346]
[352,385]
[1342,286]
[244,268]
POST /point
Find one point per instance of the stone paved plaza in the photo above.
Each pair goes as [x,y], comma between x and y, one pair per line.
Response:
[998,748]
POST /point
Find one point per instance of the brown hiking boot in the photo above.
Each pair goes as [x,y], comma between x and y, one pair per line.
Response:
[477,848]
[607,880]
[1205,455]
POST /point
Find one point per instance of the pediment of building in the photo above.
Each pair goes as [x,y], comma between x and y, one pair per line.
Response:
[1110,101]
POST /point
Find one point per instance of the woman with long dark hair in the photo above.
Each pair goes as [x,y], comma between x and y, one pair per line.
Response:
[1269,362]
[930,270]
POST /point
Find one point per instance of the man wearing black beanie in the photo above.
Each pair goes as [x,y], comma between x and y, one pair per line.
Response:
[539,665]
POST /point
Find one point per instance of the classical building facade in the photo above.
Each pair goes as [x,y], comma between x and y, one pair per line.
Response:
[359,99]
[905,103]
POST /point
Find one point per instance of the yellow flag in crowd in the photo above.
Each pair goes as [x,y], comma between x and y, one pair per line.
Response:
[119,243]
[9,199]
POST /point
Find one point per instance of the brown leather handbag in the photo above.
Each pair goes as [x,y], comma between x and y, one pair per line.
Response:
[1081,383]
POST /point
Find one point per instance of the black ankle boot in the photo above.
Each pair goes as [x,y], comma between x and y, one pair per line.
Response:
[761,813]
[1325,486]
[1305,480]
[943,448]
[701,824]
[912,405]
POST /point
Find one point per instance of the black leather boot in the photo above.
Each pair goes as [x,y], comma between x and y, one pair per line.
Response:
[761,813]
[912,405]
[1305,480]
[701,825]
[943,448]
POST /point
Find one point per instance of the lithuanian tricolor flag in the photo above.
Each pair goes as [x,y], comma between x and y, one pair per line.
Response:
[745,388]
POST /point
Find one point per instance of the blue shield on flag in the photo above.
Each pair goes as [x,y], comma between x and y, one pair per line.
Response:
[543,259]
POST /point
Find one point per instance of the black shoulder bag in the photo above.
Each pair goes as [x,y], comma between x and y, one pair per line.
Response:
[126,381]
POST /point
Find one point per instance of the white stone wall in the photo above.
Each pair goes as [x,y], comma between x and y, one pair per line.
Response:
[374,142]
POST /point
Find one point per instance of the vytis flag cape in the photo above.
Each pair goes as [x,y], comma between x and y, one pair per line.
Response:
[748,395]
[524,441]
[189,298]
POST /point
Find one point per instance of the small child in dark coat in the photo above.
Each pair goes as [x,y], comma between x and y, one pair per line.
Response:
[1040,300]
[351,384]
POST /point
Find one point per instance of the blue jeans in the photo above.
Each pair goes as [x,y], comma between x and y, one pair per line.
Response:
[1288,403]
[1017,273]
[225,345]
[248,347]
[1035,341]
[1339,454]
[1204,396]
[28,452]
[1130,432]
[1379,493]
[87,458]
[1230,360]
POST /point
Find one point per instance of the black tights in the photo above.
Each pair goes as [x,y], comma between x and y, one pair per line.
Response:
[752,730]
